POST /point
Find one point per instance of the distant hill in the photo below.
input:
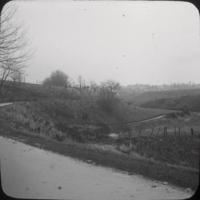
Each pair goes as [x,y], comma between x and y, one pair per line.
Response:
[192,102]
[153,95]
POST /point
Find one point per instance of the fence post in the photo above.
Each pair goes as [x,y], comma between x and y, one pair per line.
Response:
[152,131]
[158,130]
[164,130]
[192,131]
[175,130]
[139,130]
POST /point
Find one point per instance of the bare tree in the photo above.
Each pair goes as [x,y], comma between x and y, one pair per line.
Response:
[93,86]
[17,78]
[112,85]
[81,83]
[107,95]
[9,70]
[108,89]
[14,47]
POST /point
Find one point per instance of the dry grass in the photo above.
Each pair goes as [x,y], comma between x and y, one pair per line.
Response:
[24,117]
[175,150]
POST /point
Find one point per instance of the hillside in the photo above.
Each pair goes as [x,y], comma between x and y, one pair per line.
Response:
[61,114]
[30,91]
[146,96]
[192,102]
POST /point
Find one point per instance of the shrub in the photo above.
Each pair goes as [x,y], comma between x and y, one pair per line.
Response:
[185,110]
[83,133]
[55,134]
[85,116]
[108,105]
[171,116]
[62,127]
[103,130]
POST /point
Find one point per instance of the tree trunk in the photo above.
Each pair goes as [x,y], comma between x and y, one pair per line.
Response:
[13,92]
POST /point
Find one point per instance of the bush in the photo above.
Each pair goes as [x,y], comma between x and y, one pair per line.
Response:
[85,116]
[74,132]
[181,114]
[108,105]
[104,129]
[171,116]
[185,110]
[84,133]
[62,127]
[55,134]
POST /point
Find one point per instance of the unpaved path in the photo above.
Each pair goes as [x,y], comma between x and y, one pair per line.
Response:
[151,119]
[5,104]
[29,172]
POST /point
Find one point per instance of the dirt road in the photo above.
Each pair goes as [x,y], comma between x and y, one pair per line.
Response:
[5,104]
[29,172]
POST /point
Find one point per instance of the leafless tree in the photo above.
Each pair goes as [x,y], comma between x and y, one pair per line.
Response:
[93,87]
[112,85]
[107,95]
[14,46]
[108,89]
[17,78]
[81,83]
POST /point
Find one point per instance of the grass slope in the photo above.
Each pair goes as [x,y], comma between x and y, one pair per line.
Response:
[29,91]
[192,102]
[146,96]
[73,112]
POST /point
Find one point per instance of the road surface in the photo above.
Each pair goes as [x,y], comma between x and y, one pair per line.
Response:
[29,172]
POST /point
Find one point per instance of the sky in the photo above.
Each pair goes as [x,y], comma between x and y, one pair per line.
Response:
[128,41]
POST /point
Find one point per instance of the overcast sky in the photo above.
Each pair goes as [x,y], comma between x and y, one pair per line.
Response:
[131,42]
